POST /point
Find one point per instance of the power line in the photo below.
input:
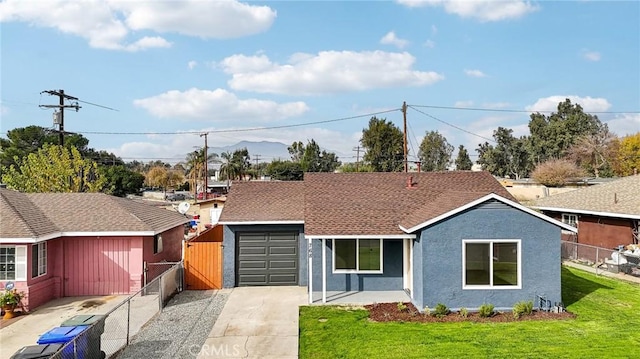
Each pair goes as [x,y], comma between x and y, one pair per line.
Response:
[452,125]
[95,104]
[511,110]
[239,129]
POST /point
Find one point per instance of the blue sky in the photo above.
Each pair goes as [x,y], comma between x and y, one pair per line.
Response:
[228,66]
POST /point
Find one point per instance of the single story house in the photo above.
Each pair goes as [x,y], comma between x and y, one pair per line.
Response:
[457,238]
[75,244]
[606,215]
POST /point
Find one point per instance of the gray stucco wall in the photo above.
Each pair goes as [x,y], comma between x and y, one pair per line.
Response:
[416,274]
[441,248]
[229,249]
[390,279]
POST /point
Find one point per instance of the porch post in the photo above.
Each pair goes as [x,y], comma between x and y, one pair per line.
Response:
[310,268]
[324,270]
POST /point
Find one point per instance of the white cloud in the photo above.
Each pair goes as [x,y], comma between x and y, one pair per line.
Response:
[588,103]
[192,64]
[392,39]
[474,73]
[625,124]
[463,104]
[591,56]
[326,72]
[217,105]
[483,10]
[430,44]
[434,30]
[109,24]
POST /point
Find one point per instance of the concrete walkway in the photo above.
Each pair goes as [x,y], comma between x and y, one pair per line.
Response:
[257,322]
[603,272]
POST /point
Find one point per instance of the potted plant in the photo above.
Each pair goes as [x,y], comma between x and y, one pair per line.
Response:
[9,300]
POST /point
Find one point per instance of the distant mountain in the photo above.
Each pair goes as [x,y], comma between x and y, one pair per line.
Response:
[265,151]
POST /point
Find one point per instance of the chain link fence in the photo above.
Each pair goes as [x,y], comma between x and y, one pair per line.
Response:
[602,259]
[108,336]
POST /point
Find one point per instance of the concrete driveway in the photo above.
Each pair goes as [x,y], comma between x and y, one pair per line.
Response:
[26,330]
[257,322]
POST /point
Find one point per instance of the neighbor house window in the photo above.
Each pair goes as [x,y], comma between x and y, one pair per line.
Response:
[570,219]
[357,255]
[491,264]
[38,259]
[13,263]
[157,244]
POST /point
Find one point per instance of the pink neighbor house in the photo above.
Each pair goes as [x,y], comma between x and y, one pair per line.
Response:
[76,244]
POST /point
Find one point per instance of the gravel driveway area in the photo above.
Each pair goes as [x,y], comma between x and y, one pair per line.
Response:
[180,329]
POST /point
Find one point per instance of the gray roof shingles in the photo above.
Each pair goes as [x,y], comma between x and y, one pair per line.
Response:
[264,202]
[617,197]
[48,213]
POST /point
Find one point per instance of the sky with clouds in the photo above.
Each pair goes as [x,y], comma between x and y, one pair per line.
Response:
[298,70]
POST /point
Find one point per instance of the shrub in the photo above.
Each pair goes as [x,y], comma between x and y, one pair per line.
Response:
[464,312]
[427,310]
[401,307]
[486,310]
[441,310]
[556,173]
[522,308]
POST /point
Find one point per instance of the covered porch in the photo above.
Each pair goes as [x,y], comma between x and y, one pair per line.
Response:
[386,278]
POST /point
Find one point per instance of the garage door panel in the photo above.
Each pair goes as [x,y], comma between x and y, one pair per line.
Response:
[283,250]
[253,264]
[291,264]
[269,258]
[253,251]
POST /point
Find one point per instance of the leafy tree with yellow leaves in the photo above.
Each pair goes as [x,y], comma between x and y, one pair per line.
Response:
[53,168]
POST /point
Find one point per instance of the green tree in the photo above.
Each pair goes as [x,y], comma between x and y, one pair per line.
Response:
[22,141]
[284,170]
[382,141]
[121,181]
[463,161]
[553,135]
[435,152]
[53,168]
[509,156]
[235,165]
[312,159]
[351,167]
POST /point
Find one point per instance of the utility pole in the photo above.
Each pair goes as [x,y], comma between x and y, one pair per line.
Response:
[61,106]
[357,149]
[206,169]
[404,137]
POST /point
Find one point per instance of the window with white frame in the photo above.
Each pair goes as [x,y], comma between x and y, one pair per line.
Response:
[38,259]
[13,263]
[570,219]
[491,264]
[357,255]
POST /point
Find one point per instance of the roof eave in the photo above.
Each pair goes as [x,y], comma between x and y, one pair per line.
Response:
[484,199]
[584,211]
[240,223]
[360,236]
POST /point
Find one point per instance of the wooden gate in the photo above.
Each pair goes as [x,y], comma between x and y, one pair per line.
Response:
[203,261]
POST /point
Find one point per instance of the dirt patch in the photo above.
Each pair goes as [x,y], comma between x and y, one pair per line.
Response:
[92,303]
[389,312]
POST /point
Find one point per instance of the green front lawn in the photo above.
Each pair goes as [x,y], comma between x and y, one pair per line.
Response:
[607,326]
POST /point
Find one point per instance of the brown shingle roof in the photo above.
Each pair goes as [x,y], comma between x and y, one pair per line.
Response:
[619,197]
[47,213]
[20,218]
[376,203]
[264,202]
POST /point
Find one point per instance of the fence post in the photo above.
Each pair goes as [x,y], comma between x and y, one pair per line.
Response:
[128,318]
[160,292]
